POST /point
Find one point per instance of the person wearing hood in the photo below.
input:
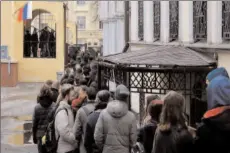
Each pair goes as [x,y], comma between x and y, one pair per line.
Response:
[81,117]
[213,134]
[216,72]
[172,134]
[45,105]
[116,128]
[64,122]
[102,99]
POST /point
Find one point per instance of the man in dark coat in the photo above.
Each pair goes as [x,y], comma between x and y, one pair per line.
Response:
[102,99]
[27,44]
[213,134]
[34,43]
[40,121]
[52,44]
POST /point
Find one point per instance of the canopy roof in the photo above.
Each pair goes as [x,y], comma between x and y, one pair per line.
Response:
[161,56]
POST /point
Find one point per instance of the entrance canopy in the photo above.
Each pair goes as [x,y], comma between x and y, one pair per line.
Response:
[158,70]
[161,56]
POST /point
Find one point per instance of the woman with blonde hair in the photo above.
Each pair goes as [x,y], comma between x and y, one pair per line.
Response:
[172,135]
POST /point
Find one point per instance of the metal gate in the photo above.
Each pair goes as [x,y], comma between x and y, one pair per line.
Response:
[40,35]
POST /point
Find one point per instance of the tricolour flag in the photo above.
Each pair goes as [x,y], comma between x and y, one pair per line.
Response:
[25,12]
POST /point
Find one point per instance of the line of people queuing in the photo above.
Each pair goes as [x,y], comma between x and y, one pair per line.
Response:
[86,120]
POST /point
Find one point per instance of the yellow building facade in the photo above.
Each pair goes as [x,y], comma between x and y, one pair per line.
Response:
[12,36]
[89,29]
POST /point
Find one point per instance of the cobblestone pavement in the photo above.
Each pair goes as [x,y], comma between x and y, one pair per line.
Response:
[17,106]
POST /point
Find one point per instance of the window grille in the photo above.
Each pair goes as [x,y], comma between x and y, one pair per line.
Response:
[173,7]
[140,20]
[226,20]
[200,20]
[156,19]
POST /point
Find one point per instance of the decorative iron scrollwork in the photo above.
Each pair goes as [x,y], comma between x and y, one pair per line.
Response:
[226,20]
[200,20]
[173,7]
[141,20]
[156,19]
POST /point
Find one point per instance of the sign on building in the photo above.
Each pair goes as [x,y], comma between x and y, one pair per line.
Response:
[4,52]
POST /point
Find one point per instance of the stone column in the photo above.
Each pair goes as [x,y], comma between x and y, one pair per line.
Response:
[164,36]
[134,21]
[148,21]
[186,21]
[214,22]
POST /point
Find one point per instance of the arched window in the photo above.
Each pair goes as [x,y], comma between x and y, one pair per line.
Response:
[40,36]
[200,20]
[173,20]
[141,20]
[156,19]
[226,20]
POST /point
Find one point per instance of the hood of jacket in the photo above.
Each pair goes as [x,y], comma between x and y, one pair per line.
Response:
[217,72]
[45,101]
[117,109]
[218,92]
[219,118]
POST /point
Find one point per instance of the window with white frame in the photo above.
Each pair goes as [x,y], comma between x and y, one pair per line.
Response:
[80,2]
[81,22]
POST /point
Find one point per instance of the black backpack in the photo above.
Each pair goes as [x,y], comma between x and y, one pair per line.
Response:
[51,142]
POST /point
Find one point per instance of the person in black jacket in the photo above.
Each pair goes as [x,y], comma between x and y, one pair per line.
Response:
[213,134]
[147,132]
[102,99]
[34,42]
[172,134]
[40,121]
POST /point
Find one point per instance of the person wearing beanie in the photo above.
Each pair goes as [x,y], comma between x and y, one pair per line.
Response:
[81,117]
[102,100]
[147,132]
[116,128]
[213,134]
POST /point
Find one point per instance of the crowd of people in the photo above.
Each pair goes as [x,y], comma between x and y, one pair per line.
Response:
[88,120]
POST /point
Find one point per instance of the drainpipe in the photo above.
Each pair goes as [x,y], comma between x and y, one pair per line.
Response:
[126,23]
[65,51]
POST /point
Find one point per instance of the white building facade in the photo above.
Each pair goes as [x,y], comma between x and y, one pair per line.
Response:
[111,13]
[203,25]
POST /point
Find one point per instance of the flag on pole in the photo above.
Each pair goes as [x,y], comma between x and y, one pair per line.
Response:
[25,12]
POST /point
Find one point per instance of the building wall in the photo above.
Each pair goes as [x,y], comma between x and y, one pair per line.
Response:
[92,33]
[224,60]
[111,14]
[32,69]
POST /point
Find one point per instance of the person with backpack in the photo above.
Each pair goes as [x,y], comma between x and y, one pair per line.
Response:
[213,134]
[81,117]
[116,128]
[64,121]
[45,105]
[102,100]
[172,134]
[147,132]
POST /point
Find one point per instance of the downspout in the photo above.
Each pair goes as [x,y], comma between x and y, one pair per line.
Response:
[126,24]
[65,53]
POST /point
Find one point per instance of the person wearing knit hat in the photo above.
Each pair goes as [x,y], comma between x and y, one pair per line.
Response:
[116,123]
[101,101]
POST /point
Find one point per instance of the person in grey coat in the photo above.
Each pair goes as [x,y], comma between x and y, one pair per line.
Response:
[64,122]
[81,117]
[116,128]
